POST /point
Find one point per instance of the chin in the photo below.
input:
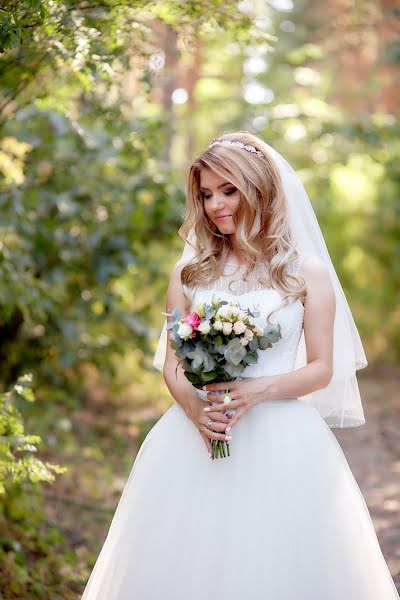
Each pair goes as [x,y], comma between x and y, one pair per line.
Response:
[225,228]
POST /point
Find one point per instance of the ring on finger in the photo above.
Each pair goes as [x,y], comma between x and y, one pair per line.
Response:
[209,423]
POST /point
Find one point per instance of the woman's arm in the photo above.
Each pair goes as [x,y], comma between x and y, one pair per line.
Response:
[180,387]
[319,316]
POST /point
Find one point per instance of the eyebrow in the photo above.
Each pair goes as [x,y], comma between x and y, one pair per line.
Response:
[203,189]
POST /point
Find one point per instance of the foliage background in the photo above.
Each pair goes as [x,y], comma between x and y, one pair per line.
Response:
[102,107]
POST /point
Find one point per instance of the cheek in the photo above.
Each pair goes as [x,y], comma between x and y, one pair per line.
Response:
[234,202]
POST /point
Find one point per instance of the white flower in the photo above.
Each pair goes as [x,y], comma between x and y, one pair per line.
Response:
[248,334]
[257,331]
[205,327]
[227,328]
[239,327]
[185,331]
[242,314]
[234,310]
[244,341]
[217,325]
[224,311]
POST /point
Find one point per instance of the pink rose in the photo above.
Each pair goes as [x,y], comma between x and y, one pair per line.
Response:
[193,320]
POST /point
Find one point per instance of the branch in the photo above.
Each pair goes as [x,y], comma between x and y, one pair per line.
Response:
[23,85]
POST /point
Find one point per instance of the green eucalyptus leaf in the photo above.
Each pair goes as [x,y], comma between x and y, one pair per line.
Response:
[272,333]
[235,352]
[264,343]
[194,379]
[208,376]
[254,344]
[250,359]
[234,370]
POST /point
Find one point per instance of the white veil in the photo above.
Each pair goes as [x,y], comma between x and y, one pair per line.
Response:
[339,403]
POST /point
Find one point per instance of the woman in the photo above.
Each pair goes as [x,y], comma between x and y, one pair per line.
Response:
[282,517]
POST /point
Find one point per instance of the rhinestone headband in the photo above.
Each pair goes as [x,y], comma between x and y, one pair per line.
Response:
[247,147]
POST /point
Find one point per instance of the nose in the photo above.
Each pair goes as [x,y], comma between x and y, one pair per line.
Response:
[217,202]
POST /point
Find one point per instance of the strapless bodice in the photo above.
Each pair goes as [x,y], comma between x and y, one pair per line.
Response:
[282,356]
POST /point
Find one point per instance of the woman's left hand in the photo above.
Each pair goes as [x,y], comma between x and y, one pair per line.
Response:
[244,394]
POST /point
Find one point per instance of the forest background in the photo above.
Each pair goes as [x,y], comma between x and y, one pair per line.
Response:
[103,104]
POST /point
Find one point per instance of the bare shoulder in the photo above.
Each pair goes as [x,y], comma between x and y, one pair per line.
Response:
[177,270]
[313,267]
[315,273]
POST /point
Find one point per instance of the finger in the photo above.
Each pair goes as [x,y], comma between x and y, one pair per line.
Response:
[214,405]
[217,397]
[222,406]
[227,385]
[213,435]
[216,426]
[218,416]
[237,416]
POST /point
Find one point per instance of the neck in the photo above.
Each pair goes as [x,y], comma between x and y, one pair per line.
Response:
[234,254]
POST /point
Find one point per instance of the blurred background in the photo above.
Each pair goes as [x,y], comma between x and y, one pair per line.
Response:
[103,105]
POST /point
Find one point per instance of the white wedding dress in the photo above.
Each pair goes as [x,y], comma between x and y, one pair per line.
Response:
[282,518]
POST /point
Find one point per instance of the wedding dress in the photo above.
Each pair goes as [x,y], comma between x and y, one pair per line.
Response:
[281,518]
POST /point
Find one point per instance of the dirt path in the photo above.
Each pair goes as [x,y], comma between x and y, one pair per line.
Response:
[373,453]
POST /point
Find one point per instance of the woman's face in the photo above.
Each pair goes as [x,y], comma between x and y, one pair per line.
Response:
[220,200]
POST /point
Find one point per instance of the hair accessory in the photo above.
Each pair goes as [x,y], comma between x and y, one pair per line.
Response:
[247,147]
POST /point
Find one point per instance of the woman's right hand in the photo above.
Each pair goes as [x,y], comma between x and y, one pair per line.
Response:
[208,431]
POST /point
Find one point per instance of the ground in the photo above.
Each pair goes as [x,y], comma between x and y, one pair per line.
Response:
[373,453]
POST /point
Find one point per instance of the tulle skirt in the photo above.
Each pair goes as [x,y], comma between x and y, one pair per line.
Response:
[282,518]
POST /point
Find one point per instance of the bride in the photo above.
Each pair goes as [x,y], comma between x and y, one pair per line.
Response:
[282,517]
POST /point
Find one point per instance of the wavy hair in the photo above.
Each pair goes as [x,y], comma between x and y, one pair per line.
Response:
[261,220]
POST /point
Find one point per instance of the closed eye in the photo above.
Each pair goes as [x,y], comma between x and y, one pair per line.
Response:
[228,193]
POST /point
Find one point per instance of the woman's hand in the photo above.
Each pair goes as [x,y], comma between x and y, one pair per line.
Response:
[244,394]
[208,431]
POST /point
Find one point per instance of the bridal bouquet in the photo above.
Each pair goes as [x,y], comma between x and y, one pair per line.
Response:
[215,343]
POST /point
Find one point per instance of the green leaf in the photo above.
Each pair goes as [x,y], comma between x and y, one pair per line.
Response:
[234,351]
[193,378]
[209,376]
[264,343]
[254,343]
[250,359]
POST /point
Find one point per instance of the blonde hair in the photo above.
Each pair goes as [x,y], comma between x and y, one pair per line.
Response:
[261,220]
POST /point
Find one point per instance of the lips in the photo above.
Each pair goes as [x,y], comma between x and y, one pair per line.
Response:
[223,216]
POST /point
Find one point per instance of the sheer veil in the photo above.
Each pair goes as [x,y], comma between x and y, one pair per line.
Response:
[339,403]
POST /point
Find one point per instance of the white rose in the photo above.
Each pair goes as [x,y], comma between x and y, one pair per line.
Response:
[217,325]
[234,310]
[244,341]
[224,311]
[257,331]
[205,327]
[248,334]
[185,331]
[239,327]
[227,328]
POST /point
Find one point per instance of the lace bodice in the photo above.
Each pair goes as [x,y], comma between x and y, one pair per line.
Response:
[257,294]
